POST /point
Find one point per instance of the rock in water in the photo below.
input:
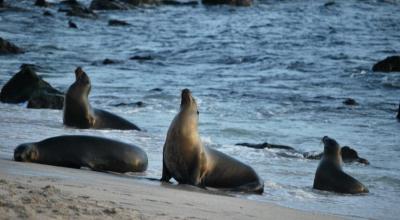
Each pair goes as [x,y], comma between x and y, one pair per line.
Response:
[389,64]
[108,5]
[114,22]
[46,100]
[72,24]
[7,47]
[74,8]
[26,85]
[228,2]
[41,3]
[350,101]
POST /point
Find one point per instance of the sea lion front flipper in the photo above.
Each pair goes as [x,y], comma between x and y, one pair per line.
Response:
[166,176]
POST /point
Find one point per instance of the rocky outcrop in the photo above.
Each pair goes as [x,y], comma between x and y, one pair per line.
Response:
[389,64]
[26,85]
[7,47]
[228,2]
[119,4]
[45,100]
[108,5]
[74,8]
[41,3]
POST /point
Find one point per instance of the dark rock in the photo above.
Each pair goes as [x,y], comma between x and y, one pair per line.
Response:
[156,90]
[25,85]
[389,64]
[1,3]
[72,24]
[398,114]
[47,13]
[350,101]
[330,3]
[108,5]
[141,2]
[109,61]
[7,47]
[228,2]
[45,100]
[114,22]
[180,3]
[41,3]
[142,57]
[74,8]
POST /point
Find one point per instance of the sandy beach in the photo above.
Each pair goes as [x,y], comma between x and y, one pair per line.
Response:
[35,191]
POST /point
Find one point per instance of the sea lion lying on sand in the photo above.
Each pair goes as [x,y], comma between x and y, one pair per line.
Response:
[76,151]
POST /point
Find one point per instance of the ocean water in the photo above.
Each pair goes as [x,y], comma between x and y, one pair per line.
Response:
[277,71]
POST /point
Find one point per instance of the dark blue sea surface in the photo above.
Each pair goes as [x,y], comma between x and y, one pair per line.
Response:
[277,71]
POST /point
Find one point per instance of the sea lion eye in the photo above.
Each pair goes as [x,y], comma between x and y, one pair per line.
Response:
[197,112]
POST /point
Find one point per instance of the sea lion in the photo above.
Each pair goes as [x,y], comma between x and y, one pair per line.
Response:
[266,145]
[188,161]
[349,155]
[330,176]
[76,151]
[78,112]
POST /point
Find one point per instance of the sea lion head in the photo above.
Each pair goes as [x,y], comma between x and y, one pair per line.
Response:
[82,79]
[188,102]
[81,86]
[26,153]
[352,155]
[331,149]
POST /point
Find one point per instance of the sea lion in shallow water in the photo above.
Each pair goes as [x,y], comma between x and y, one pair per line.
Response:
[78,112]
[96,153]
[348,154]
[188,161]
[330,176]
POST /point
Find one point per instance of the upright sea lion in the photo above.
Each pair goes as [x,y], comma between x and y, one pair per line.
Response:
[96,153]
[188,161]
[330,176]
[78,112]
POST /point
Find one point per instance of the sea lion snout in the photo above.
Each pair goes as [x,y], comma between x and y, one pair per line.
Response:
[81,76]
[331,147]
[187,97]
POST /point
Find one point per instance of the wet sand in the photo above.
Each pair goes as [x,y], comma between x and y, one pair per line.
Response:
[35,191]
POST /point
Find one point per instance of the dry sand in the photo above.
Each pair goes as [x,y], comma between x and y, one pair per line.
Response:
[34,191]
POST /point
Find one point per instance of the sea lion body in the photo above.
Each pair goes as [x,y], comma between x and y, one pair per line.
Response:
[78,112]
[188,161]
[76,151]
[330,176]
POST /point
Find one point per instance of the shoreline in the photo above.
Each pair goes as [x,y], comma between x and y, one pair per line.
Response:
[35,191]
